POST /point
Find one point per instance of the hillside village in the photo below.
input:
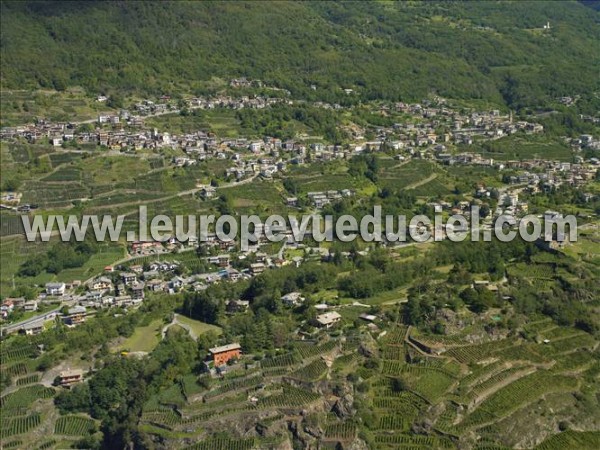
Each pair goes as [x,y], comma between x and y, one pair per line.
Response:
[124,134]
[415,138]
[469,320]
[330,334]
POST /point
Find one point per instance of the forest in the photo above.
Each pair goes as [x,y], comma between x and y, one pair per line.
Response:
[497,52]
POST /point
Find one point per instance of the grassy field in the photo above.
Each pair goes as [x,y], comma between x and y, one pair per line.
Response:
[384,298]
[223,122]
[587,245]
[197,327]
[258,197]
[487,176]
[143,339]
[112,169]
[406,175]
[95,265]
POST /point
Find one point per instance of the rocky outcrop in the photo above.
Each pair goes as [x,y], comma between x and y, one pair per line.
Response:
[344,405]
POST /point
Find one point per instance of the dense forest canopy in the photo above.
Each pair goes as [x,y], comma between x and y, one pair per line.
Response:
[495,51]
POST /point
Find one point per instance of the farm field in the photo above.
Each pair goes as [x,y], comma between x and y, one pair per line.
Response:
[407,175]
[531,147]
[426,381]
[95,265]
[326,176]
[20,107]
[14,250]
[259,197]
[221,121]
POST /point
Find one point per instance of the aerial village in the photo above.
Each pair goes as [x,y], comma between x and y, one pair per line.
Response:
[125,134]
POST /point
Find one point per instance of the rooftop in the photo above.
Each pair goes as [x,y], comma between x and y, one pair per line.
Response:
[328,318]
[224,348]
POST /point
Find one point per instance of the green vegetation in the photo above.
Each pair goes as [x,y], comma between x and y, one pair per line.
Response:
[74,426]
[519,148]
[480,345]
[494,52]
[143,339]
[196,326]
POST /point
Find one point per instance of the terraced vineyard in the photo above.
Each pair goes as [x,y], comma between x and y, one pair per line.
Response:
[29,379]
[412,441]
[392,422]
[586,440]
[448,388]
[517,394]
[395,336]
[74,426]
[285,360]
[19,425]
[308,350]
[13,354]
[342,431]
[539,271]
[49,194]
[311,372]
[23,397]
[234,384]
[479,352]
[290,397]
[429,383]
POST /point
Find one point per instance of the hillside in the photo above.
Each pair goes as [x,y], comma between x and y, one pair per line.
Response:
[493,51]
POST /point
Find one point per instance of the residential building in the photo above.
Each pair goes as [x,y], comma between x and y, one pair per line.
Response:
[69,377]
[75,315]
[328,319]
[55,289]
[292,299]
[128,278]
[221,355]
[137,291]
[30,306]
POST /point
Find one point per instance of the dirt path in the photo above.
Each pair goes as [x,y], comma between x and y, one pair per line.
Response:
[182,325]
[495,388]
[431,177]
[177,194]
[406,161]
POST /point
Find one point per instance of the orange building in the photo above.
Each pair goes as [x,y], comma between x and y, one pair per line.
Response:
[224,353]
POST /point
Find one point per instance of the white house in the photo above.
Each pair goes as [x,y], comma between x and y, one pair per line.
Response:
[328,319]
[55,289]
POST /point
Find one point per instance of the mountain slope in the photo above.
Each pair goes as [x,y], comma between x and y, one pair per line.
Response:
[495,51]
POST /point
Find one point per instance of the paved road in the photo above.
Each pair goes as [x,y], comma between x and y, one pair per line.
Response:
[17,326]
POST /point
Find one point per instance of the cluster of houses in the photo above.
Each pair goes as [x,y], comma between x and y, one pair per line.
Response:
[128,288]
[585,141]
[9,305]
[431,116]
[322,198]
[266,157]
[71,317]
[428,116]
